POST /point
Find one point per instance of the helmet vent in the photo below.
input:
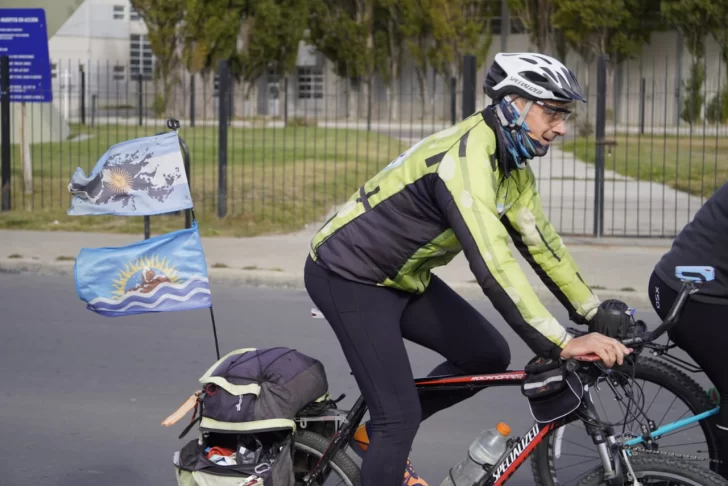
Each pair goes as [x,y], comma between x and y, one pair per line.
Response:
[543,59]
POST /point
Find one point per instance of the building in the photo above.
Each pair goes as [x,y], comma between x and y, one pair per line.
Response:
[107,40]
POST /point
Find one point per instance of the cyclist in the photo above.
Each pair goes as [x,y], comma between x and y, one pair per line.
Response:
[700,331]
[466,188]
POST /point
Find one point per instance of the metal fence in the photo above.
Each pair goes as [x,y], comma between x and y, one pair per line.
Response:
[282,151]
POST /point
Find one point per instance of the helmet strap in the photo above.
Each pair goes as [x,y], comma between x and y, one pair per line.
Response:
[519,143]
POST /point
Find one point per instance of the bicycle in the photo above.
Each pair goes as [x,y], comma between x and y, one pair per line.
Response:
[647,440]
[619,461]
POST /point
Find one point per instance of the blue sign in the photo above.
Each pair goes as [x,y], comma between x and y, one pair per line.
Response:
[24,39]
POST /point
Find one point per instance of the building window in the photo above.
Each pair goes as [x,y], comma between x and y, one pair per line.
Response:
[133,14]
[54,70]
[118,12]
[141,58]
[310,83]
[119,73]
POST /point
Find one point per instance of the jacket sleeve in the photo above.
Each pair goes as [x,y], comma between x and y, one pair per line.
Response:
[465,191]
[537,240]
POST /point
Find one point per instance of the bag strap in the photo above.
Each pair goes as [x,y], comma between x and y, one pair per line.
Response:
[540,365]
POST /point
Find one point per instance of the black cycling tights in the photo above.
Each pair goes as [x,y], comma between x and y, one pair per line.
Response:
[703,334]
[370,322]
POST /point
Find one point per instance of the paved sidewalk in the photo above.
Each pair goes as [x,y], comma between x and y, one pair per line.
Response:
[616,267]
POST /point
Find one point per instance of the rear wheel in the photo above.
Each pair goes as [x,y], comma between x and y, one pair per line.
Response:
[568,452]
[308,450]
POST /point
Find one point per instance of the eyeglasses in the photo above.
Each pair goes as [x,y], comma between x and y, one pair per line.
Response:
[553,115]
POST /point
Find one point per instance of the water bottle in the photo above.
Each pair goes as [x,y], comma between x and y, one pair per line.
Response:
[487,448]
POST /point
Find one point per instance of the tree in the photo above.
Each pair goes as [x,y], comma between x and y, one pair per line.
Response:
[416,30]
[210,33]
[617,28]
[343,31]
[388,46]
[163,18]
[459,28]
[693,18]
[272,32]
[536,17]
[252,35]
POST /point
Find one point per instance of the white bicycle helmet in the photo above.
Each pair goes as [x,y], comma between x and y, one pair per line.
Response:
[533,76]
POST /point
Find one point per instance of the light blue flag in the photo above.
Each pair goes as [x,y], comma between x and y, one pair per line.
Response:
[139,177]
[164,273]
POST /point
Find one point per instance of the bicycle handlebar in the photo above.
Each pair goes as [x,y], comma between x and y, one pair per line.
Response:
[688,288]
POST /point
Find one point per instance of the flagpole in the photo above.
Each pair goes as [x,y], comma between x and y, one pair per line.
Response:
[212,313]
[214,332]
[173,124]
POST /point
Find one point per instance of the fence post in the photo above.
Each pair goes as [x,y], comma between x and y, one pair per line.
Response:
[453,99]
[5,135]
[192,100]
[141,99]
[93,109]
[643,94]
[369,104]
[599,155]
[83,94]
[469,77]
[285,101]
[222,142]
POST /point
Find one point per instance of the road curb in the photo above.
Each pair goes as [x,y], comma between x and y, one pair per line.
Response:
[291,281]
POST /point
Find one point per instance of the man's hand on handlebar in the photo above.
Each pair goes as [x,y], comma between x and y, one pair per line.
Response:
[609,350]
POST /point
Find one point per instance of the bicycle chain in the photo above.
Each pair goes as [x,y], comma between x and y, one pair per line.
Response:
[674,454]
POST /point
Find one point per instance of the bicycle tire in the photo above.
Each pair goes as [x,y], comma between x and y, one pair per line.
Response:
[654,371]
[661,467]
[312,443]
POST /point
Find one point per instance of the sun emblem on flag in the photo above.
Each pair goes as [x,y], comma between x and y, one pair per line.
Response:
[118,179]
[144,275]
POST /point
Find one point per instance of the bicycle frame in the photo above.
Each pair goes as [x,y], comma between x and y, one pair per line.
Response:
[519,448]
[665,429]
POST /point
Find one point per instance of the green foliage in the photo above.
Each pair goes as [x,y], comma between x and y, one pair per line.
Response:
[210,33]
[618,28]
[536,17]
[252,35]
[717,109]
[694,18]
[163,18]
[272,36]
[693,102]
[459,27]
[342,31]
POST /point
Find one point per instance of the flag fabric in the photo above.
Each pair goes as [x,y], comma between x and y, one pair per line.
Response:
[162,274]
[139,177]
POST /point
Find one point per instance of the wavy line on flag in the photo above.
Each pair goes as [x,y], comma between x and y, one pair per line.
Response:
[158,302]
[150,295]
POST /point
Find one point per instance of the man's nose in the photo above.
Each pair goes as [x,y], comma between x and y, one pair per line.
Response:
[560,128]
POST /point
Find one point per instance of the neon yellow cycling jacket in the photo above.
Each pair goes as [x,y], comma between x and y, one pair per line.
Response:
[445,194]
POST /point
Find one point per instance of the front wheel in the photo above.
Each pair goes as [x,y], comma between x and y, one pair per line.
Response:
[659,470]
[667,393]
[308,450]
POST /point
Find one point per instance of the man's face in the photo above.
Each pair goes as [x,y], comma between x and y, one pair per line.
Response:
[546,120]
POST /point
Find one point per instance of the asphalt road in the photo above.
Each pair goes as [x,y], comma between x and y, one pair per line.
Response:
[83,396]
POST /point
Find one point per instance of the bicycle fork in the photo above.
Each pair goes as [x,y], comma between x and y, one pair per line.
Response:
[607,446]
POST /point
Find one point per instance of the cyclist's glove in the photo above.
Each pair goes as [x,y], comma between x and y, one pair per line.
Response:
[613,318]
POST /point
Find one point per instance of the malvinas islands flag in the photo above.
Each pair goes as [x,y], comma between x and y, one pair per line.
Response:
[139,177]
